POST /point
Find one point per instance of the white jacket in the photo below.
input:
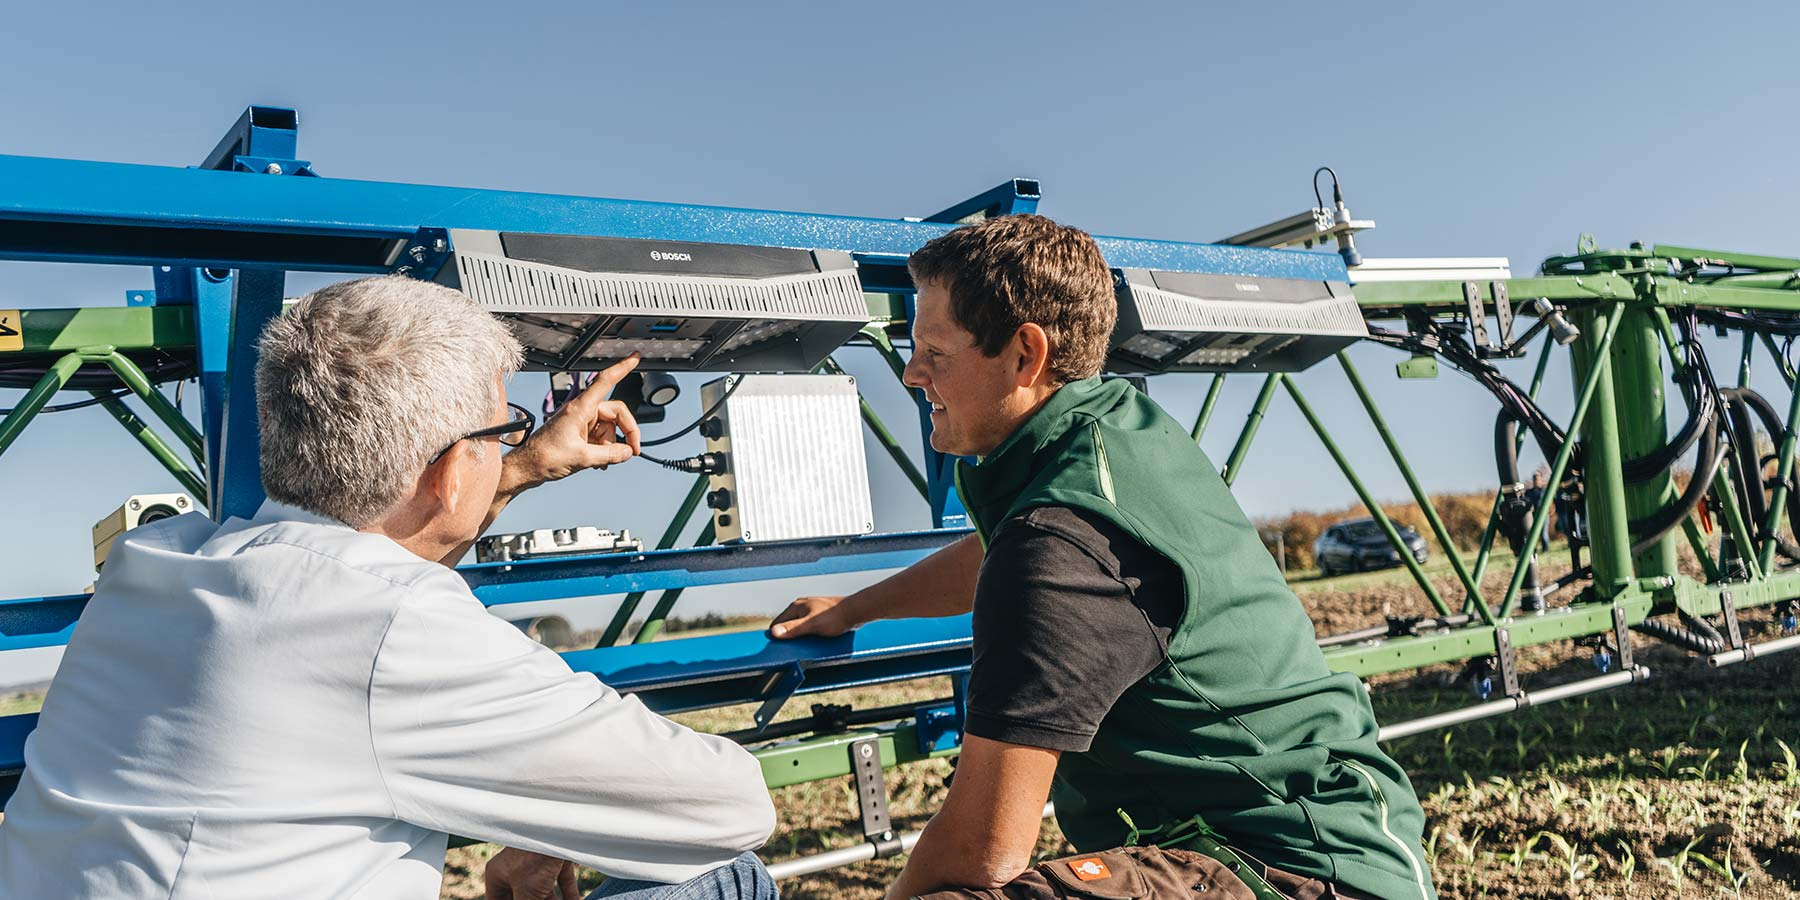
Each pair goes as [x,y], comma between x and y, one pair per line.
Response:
[286,707]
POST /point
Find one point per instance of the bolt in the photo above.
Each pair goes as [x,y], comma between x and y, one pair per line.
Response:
[403,270]
[180,501]
[137,504]
[439,245]
[417,253]
[272,169]
[867,750]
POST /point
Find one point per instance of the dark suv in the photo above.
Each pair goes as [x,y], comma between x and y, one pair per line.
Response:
[1359,545]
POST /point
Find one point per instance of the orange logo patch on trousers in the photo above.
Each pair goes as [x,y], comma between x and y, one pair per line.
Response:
[1090,869]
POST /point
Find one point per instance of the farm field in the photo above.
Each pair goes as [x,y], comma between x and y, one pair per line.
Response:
[1686,785]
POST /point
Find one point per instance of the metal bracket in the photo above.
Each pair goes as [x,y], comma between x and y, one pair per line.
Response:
[1477,315]
[940,727]
[1485,347]
[871,796]
[271,165]
[1622,637]
[1503,313]
[1019,195]
[1733,633]
[422,256]
[779,689]
[1509,673]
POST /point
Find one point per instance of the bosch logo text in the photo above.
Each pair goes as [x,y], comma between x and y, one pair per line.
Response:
[667,256]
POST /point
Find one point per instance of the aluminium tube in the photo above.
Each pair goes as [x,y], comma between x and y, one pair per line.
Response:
[1751,651]
[1512,704]
[832,859]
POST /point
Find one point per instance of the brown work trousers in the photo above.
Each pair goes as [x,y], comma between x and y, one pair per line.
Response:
[1138,873]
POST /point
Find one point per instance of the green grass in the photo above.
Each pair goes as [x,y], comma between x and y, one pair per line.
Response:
[21,702]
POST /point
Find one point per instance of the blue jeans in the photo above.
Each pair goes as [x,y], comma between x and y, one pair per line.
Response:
[743,878]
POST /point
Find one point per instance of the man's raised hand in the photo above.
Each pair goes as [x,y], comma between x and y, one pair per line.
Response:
[811,617]
[589,431]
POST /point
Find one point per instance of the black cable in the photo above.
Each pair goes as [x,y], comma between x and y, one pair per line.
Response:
[1771,323]
[79,404]
[1703,407]
[1337,191]
[696,423]
[705,463]
[1747,470]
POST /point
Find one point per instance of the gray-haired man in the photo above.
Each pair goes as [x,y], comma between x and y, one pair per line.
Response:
[307,703]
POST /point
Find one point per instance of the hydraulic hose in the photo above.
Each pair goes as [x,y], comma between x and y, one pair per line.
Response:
[1651,528]
[1749,472]
[1688,638]
[1643,468]
[1741,405]
[1514,510]
[1771,422]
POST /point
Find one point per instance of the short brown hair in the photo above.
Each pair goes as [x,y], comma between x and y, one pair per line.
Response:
[1006,271]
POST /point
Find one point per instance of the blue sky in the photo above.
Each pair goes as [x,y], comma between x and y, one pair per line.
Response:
[1464,130]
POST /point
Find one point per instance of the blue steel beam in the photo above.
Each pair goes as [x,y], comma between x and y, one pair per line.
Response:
[585,576]
[13,730]
[730,669]
[721,670]
[1020,195]
[31,622]
[48,621]
[264,139]
[235,474]
[96,212]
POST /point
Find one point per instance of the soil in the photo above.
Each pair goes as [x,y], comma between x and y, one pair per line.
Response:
[1684,785]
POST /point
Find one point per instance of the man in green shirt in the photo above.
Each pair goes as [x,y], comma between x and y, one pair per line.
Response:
[1138,658]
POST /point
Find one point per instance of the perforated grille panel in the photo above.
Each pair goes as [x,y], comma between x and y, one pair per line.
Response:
[506,285]
[1192,322]
[1168,311]
[793,309]
[793,445]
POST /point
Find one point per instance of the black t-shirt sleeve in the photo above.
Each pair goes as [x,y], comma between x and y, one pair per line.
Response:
[1060,631]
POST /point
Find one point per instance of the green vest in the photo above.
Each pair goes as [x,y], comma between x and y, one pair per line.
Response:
[1243,724]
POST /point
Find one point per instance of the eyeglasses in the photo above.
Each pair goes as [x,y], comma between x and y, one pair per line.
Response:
[512,433]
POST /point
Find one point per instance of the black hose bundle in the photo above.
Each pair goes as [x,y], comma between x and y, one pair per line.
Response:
[1696,635]
[1515,404]
[1706,425]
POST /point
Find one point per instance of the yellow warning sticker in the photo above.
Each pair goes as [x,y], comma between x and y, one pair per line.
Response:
[12,332]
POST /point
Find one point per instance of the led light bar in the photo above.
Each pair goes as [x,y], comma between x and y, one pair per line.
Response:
[1191,322]
[582,303]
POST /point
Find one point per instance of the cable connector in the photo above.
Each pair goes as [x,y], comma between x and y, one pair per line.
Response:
[704,464]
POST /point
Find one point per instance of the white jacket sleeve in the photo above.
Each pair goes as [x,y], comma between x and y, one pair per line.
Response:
[480,731]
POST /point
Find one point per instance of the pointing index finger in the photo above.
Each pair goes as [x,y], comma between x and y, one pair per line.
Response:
[610,376]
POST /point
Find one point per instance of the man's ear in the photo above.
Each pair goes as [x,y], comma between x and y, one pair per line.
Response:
[443,480]
[1032,348]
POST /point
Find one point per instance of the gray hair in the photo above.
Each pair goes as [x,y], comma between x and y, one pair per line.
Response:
[361,382]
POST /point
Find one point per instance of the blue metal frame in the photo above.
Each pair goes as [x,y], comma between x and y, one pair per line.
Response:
[587,576]
[720,670]
[222,218]
[222,238]
[97,212]
[49,621]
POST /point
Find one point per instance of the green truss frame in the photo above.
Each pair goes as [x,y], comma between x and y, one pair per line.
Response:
[1620,299]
